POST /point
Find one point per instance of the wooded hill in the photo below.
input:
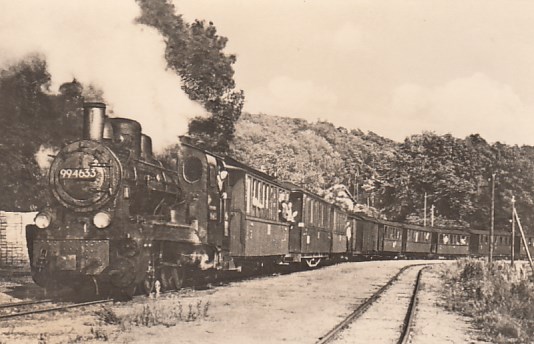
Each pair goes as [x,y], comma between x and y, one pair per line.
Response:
[393,177]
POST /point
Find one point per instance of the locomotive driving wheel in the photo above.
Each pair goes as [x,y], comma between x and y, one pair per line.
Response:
[172,277]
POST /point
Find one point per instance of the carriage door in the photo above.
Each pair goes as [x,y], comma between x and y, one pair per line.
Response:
[295,230]
[434,246]
[405,238]
[217,204]
[380,241]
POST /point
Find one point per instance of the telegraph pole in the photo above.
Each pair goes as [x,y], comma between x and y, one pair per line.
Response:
[512,249]
[432,215]
[492,227]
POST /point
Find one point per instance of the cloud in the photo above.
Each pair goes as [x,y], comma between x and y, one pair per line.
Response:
[474,104]
[98,42]
[287,96]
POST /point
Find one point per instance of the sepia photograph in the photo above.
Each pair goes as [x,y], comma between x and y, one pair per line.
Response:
[282,171]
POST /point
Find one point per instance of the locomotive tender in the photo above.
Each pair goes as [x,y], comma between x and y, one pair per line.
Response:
[122,220]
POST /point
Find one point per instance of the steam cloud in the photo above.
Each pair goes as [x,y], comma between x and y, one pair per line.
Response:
[99,43]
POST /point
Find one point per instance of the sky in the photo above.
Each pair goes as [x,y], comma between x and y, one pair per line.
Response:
[396,68]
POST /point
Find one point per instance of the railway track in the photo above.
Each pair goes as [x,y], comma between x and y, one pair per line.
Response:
[17,309]
[384,317]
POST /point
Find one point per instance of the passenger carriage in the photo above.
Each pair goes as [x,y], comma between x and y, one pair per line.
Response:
[480,243]
[417,241]
[257,233]
[363,241]
[450,242]
[310,238]
[390,238]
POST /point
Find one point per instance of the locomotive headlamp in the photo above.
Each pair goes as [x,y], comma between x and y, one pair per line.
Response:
[42,220]
[102,220]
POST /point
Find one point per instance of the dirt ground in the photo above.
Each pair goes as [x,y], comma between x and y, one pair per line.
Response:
[295,308]
[433,324]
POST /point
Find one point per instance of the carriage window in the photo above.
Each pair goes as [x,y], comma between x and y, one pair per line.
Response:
[335,219]
[313,210]
[247,193]
[321,210]
[392,233]
[262,199]
[266,200]
[317,212]
[326,215]
[341,222]
[192,169]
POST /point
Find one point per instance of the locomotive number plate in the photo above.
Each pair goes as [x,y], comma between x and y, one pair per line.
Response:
[78,173]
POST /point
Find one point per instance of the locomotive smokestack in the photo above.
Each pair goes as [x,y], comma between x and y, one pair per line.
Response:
[94,115]
[146,147]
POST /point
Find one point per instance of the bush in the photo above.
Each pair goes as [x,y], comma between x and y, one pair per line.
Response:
[499,297]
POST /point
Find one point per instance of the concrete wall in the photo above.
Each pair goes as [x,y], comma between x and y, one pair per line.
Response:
[13,252]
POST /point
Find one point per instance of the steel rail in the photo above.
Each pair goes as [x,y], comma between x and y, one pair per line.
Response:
[52,309]
[362,307]
[410,315]
[23,303]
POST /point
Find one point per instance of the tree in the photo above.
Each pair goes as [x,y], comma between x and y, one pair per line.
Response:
[24,108]
[195,52]
[33,121]
[286,148]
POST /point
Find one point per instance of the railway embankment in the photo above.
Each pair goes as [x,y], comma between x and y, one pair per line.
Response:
[499,298]
[300,307]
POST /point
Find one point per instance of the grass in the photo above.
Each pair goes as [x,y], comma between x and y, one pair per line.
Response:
[155,314]
[499,297]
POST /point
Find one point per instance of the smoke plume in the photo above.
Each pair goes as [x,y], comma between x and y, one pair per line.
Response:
[99,43]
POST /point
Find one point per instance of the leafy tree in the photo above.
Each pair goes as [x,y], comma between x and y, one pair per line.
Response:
[195,52]
[438,166]
[32,119]
[286,148]
[24,107]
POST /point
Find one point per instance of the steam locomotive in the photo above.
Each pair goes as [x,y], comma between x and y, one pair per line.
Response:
[122,220]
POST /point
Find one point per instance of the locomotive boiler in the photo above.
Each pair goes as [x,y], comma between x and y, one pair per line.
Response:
[120,219]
